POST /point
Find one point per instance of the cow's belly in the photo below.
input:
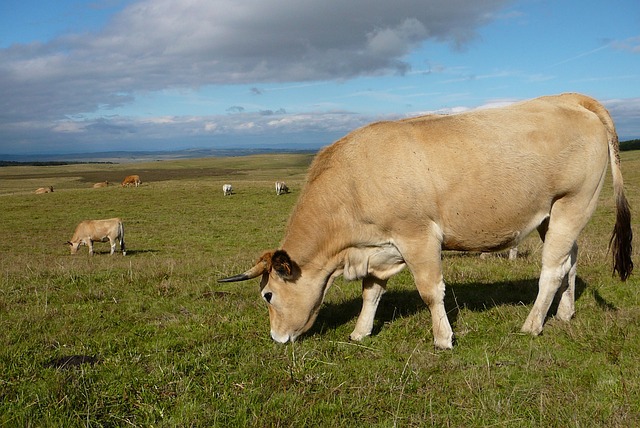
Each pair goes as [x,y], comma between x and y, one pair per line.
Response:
[488,235]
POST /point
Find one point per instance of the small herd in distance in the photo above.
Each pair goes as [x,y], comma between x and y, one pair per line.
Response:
[134,181]
[129,180]
[281,188]
[112,230]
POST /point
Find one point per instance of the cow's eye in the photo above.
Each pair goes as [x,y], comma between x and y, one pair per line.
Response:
[267,297]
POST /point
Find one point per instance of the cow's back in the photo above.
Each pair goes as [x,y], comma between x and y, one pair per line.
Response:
[131,179]
[94,228]
[489,174]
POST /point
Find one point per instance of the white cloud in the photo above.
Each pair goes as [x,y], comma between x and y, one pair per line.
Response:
[68,126]
[632,44]
[396,41]
[626,115]
[169,45]
[153,45]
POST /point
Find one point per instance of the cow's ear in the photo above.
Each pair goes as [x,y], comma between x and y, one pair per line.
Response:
[282,264]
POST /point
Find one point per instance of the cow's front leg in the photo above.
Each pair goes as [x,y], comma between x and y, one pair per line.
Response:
[372,291]
[424,261]
[432,293]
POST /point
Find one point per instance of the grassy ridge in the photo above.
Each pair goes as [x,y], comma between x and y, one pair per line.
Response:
[166,345]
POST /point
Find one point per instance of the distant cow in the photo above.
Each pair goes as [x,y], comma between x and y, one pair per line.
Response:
[227,189]
[281,188]
[101,184]
[513,254]
[90,231]
[396,194]
[131,180]
[41,190]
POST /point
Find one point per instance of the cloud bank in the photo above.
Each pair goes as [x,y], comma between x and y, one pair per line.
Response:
[55,95]
[154,45]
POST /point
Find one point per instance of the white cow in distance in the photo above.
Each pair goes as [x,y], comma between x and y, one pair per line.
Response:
[281,187]
[90,231]
[227,189]
[513,254]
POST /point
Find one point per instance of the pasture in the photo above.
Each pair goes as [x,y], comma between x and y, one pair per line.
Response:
[151,339]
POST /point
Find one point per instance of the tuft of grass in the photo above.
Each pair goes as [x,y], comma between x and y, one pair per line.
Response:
[156,341]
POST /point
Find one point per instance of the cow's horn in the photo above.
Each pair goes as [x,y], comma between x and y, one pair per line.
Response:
[254,272]
[235,278]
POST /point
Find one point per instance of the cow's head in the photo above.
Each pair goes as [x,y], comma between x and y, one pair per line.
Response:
[293,296]
[73,246]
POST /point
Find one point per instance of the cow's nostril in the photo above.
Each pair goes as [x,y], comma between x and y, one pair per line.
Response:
[268,296]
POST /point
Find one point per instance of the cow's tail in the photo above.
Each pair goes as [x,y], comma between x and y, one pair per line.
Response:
[121,237]
[622,236]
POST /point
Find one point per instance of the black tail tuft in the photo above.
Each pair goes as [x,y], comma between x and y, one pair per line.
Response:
[621,240]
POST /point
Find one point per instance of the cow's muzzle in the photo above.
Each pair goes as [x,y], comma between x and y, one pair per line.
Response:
[281,338]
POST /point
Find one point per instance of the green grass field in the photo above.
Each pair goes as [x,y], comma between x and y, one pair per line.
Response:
[151,339]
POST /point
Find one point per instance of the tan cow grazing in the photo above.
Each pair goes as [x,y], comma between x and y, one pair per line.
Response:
[101,184]
[131,180]
[42,190]
[476,181]
[90,231]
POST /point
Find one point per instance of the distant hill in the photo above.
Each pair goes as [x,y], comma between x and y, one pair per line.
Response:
[43,163]
[125,157]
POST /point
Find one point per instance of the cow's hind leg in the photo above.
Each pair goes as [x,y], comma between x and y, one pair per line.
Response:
[559,258]
[113,243]
[554,272]
[566,305]
[372,291]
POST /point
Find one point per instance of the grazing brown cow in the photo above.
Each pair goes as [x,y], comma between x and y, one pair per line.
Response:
[42,190]
[131,180]
[101,184]
[395,194]
[90,231]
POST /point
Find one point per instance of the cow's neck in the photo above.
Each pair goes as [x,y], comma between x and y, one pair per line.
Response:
[314,239]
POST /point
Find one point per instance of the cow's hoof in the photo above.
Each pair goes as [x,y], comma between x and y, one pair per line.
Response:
[357,337]
[443,344]
[531,329]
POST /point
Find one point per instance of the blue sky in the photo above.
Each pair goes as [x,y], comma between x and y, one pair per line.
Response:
[101,75]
